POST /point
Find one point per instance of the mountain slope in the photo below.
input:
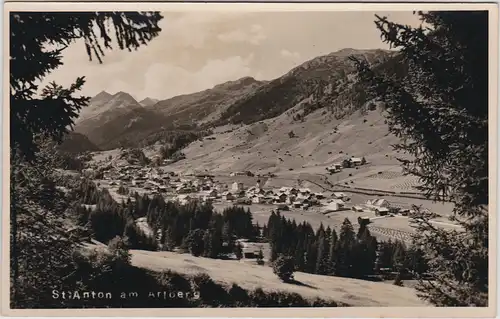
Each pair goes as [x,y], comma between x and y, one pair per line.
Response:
[326,82]
[111,120]
[77,143]
[319,140]
[148,102]
[328,79]
[202,106]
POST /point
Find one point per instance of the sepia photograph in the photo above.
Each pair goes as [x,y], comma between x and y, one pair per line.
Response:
[250,156]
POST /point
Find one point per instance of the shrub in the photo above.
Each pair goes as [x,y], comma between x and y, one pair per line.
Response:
[284,267]
[238,295]
[260,257]
[211,293]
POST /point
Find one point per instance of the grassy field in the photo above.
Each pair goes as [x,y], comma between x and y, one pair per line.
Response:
[250,276]
[266,147]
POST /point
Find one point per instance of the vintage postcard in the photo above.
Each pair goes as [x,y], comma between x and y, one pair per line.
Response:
[250,159]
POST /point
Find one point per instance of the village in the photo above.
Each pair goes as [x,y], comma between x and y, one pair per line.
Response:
[123,178]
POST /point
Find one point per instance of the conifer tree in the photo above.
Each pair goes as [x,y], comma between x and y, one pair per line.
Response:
[195,242]
[322,255]
[399,256]
[207,243]
[332,253]
[311,256]
[436,96]
[344,251]
[260,256]
[169,241]
[299,256]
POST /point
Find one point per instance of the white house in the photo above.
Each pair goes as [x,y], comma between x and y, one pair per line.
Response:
[334,205]
[378,202]
[257,199]
[236,187]
[382,203]
[339,195]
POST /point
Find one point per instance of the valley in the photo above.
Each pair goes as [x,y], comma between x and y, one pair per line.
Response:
[262,159]
[321,155]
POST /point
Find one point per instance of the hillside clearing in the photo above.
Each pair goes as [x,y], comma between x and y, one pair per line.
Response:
[350,291]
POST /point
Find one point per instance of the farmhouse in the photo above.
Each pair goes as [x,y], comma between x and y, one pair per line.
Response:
[381,211]
[305,191]
[211,193]
[241,193]
[281,198]
[228,196]
[334,168]
[319,196]
[357,208]
[356,161]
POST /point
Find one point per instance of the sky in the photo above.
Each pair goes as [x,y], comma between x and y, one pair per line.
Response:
[198,50]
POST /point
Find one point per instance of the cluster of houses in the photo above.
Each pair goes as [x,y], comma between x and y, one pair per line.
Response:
[155,181]
[382,207]
[350,162]
[203,187]
[284,198]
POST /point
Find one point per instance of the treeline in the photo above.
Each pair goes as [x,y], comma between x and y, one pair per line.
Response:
[195,228]
[71,161]
[347,254]
[135,156]
[269,101]
[174,141]
[107,219]
[198,229]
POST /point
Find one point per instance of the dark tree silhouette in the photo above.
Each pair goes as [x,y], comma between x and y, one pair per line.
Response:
[37,41]
[284,267]
[436,95]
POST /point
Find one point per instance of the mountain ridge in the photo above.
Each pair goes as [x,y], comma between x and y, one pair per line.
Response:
[325,82]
